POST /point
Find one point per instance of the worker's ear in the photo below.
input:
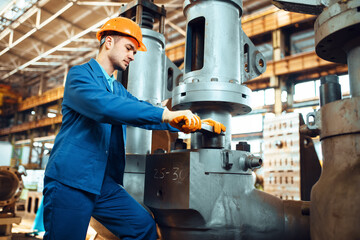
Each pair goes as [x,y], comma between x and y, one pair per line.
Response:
[109,42]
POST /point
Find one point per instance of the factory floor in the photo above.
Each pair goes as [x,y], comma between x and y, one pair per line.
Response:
[21,231]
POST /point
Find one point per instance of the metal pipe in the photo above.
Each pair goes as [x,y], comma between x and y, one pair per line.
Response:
[162,25]
[253,162]
[139,13]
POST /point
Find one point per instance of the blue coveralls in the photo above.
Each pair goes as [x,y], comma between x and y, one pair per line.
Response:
[84,174]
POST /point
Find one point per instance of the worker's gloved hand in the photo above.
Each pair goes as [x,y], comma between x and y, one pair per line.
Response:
[218,127]
[185,120]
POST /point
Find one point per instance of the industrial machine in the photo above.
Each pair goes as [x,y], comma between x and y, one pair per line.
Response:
[153,83]
[207,192]
[11,186]
[334,210]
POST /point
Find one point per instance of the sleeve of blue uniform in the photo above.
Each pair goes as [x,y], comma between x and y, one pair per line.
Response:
[84,95]
[160,126]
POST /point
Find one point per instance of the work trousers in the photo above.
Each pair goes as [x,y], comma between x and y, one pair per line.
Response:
[67,212]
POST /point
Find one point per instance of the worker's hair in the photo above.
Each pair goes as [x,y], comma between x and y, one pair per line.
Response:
[109,33]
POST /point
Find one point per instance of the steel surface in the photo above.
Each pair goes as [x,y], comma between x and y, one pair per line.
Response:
[340,117]
[193,197]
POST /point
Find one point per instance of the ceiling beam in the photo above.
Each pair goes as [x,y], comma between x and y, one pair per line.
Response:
[44,23]
[177,28]
[26,15]
[57,48]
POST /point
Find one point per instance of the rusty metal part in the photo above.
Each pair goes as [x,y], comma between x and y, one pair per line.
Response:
[6,226]
[11,185]
[336,193]
[335,211]
[340,117]
[335,28]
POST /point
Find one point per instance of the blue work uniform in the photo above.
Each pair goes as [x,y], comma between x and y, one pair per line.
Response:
[85,171]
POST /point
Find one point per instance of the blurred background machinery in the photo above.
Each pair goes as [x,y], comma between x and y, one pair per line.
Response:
[11,186]
[289,175]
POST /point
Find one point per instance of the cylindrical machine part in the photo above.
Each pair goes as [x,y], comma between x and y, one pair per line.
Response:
[211,83]
[220,115]
[146,82]
[180,144]
[253,162]
[330,89]
[243,146]
[296,219]
[147,69]
[213,141]
[340,143]
[353,61]
[340,178]
[10,185]
[138,140]
[209,24]
[146,18]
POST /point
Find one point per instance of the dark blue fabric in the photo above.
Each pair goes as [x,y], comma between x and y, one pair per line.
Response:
[93,130]
[67,212]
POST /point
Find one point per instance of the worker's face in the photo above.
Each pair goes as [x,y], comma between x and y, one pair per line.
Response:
[122,52]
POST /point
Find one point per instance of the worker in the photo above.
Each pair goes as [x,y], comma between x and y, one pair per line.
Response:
[84,175]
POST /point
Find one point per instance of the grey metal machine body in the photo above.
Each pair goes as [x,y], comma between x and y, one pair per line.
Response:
[218,58]
[149,78]
[208,192]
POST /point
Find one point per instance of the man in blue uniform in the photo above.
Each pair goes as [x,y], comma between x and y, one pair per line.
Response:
[84,174]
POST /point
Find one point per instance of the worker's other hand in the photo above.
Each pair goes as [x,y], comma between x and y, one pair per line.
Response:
[184,120]
[218,127]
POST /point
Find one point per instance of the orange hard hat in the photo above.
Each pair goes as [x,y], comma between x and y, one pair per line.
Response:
[125,26]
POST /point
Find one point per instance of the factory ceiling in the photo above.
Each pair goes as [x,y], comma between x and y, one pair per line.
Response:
[42,38]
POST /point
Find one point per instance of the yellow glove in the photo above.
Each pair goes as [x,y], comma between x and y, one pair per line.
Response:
[218,127]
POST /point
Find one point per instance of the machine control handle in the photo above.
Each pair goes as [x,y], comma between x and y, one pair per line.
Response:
[206,128]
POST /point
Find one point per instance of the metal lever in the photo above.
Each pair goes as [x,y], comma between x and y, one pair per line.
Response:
[206,128]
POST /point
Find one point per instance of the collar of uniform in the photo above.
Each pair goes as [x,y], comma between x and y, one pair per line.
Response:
[109,79]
